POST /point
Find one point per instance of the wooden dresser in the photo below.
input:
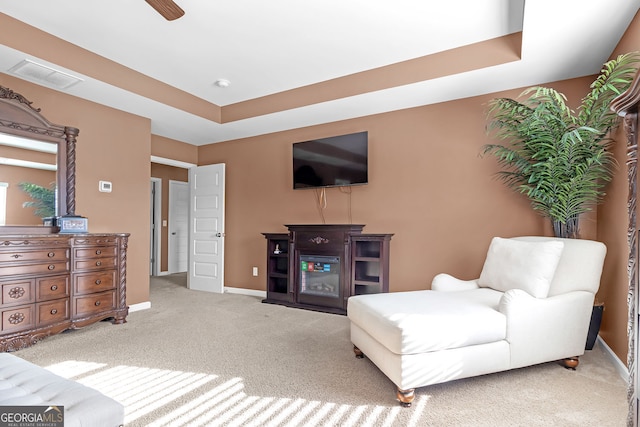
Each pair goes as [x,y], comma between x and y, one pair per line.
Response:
[54,282]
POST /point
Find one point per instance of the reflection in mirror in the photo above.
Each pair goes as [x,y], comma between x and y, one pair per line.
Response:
[27,180]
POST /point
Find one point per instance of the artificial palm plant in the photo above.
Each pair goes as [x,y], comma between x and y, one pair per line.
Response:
[558,157]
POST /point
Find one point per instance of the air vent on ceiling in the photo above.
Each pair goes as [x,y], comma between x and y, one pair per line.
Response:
[43,74]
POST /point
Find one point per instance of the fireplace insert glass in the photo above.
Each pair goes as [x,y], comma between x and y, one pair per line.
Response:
[320,275]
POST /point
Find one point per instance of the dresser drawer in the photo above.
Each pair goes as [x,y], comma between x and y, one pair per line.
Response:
[49,288]
[34,269]
[101,252]
[52,311]
[21,256]
[16,292]
[94,282]
[101,241]
[94,264]
[18,318]
[94,303]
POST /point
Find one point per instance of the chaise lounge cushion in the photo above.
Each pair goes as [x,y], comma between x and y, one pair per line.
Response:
[425,321]
[23,383]
[518,264]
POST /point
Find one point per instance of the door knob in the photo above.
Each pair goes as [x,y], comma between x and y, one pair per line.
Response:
[218,234]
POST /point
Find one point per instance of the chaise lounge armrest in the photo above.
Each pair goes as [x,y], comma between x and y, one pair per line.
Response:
[444,282]
[543,329]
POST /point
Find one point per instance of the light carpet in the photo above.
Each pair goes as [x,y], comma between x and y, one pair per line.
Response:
[201,359]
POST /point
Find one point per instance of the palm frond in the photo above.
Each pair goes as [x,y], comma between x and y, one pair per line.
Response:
[615,77]
[43,198]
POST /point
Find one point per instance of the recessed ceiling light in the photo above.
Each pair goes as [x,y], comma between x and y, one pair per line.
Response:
[222,83]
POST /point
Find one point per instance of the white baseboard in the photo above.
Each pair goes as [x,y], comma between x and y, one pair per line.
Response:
[140,306]
[621,368]
[242,291]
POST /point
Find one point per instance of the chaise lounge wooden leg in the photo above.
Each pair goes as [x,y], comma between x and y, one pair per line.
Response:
[405,397]
[571,363]
[358,352]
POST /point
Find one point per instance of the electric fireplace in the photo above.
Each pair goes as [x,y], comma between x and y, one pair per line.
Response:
[320,276]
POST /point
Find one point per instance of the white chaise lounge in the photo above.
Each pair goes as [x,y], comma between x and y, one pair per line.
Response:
[531,304]
[24,384]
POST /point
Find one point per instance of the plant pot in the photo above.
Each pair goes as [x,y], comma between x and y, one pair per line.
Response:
[594,326]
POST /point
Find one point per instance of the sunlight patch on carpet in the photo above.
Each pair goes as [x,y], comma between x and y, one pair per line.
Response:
[214,402]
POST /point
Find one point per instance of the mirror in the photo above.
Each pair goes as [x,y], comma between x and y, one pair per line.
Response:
[51,147]
[28,175]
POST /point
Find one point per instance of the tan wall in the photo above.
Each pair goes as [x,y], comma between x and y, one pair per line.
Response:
[427,185]
[166,174]
[612,230]
[13,175]
[112,146]
[172,149]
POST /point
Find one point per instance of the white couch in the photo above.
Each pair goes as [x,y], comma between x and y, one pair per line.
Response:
[24,384]
[531,304]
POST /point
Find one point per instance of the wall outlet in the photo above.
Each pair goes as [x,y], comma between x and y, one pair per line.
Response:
[255,271]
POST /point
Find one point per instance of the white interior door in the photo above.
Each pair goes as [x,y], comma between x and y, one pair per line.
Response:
[206,228]
[178,247]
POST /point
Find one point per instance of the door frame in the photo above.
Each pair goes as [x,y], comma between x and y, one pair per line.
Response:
[168,162]
[171,223]
[156,235]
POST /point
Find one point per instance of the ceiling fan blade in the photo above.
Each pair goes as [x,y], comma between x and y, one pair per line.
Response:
[166,8]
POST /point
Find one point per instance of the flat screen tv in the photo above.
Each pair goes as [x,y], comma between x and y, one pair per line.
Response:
[331,162]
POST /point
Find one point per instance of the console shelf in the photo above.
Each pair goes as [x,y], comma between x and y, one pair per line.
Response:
[318,267]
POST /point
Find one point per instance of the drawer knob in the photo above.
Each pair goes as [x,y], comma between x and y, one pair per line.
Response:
[54,287]
[98,252]
[51,254]
[16,256]
[54,311]
[17,292]
[51,267]
[97,303]
[98,263]
[16,318]
[98,282]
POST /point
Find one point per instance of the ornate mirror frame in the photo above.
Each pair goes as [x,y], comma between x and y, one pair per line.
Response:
[627,105]
[19,118]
